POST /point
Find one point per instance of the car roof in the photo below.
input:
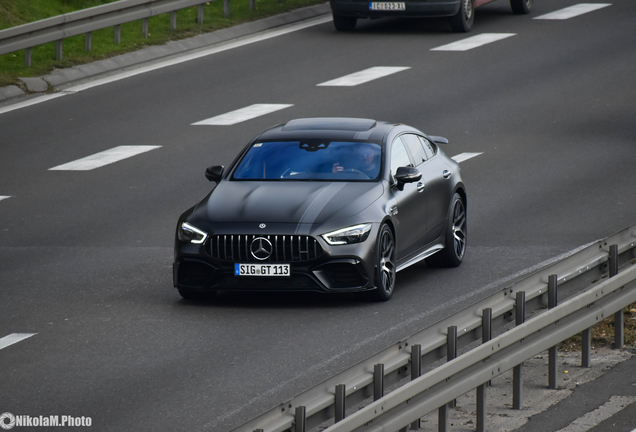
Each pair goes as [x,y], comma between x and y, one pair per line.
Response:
[331,128]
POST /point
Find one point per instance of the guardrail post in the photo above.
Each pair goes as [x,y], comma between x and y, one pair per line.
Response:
[144,28]
[520,317]
[59,49]
[378,381]
[27,57]
[486,335]
[442,418]
[252,5]
[173,21]
[618,316]
[301,417]
[586,342]
[451,352]
[88,41]
[200,14]
[226,8]
[340,407]
[481,408]
[552,351]
[416,372]
[117,33]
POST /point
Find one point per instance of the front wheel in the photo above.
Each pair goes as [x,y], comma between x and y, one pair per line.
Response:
[455,237]
[385,274]
[344,23]
[521,7]
[462,21]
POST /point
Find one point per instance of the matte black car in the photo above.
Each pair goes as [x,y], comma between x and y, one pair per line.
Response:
[332,205]
[461,13]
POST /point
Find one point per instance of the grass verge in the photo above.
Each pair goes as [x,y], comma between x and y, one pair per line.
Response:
[18,12]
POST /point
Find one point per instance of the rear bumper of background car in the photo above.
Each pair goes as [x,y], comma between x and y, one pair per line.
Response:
[413,8]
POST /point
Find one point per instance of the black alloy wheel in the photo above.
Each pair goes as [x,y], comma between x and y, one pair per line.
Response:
[385,277]
[455,236]
[463,20]
[521,7]
[344,23]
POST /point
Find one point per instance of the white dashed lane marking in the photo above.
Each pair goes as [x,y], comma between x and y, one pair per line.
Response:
[14,338]
[242,114]
[474,42]
[605,411]
[573,11]
[364,76]
[103,158]
[4,197]
[464,156]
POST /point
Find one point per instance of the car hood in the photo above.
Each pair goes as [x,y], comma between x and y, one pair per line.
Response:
[286,202]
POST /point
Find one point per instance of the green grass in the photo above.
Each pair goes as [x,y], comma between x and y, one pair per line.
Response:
[18,12]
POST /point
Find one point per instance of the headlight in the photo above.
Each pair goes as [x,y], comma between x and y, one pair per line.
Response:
[189,233]
[353,234]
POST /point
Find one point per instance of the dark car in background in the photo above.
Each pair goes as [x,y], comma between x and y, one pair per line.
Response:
[323,204]
[461,13]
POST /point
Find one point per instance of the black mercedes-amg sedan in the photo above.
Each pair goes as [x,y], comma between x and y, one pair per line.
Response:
[324,204]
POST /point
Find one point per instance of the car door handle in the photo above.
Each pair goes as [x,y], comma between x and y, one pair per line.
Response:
[420,186]
[446,173]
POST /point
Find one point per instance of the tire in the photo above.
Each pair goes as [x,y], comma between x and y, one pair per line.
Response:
[385,275]
[463,20]
[196,295]
[455,237]
[521,7]
[344,23]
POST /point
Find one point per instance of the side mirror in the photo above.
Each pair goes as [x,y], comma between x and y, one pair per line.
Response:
[214,173]
[406,175]
[438,139]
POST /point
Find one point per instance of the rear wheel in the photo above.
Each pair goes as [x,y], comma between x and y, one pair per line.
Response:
[462,21]
[385,275]
[521,7]
[344,23]
[455,236]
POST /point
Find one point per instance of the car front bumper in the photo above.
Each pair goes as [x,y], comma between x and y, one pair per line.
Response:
[211,267]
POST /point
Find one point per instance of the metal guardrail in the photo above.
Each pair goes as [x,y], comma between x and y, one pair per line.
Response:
[85,21]
[580,271]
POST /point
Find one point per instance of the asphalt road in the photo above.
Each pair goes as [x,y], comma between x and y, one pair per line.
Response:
[85,256]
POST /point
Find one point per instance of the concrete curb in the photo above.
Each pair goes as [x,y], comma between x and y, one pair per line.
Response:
[130,60]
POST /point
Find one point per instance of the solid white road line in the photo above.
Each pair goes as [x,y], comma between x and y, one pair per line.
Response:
[181,59]
[103,158]
[4,197]
[474,42]
[34,101]
[14,338]
[364,76]
[573,11]
[605,411]
[464,156]
[242,114]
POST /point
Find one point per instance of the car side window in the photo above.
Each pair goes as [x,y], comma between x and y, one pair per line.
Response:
[399,156]
[429,147]
[415,147]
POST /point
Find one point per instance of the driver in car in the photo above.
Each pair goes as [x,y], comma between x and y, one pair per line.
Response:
[368,163]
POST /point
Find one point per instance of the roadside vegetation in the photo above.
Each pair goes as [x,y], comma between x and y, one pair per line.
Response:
[17,12]
[603,333]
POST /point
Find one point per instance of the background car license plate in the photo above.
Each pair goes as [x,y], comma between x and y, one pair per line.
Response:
[387,6]
[262,270]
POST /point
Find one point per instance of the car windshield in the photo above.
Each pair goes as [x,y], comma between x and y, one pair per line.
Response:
[311,160]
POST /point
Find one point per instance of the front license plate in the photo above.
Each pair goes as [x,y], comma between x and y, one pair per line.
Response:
[262,270]
[387,6]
